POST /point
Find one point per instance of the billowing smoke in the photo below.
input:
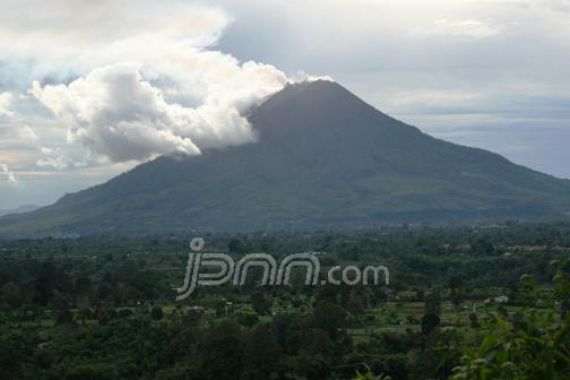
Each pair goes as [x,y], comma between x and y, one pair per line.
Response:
[115,112]
[130,88]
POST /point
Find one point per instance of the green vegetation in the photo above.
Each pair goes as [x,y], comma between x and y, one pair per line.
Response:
[467,303]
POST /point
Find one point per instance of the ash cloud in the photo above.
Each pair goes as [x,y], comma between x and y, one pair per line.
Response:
[136,93]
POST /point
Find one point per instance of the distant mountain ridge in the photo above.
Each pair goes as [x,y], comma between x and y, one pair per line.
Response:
[19,210]
[324,159]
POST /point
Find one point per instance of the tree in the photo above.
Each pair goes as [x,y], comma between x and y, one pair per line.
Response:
[16,350]
[157,313]
[536,349]
[474,321]
[328,293]
[356,303]
[329,317]
[429,323]
[262,353]
[64,317]
[482,247]
[456,285]
[562,286]
[371,376]
[12,294]
[248,319]
[433,303]
[222,351]
[236,246]
[261,304]
[527,345]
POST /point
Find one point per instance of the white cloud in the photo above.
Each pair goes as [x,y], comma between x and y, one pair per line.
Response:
[9,175]
[462,28]
[462,63]
[116,113]
[433,98]
[65,30]
[27,133]
[145,78]
[5,104]
[17,133]
[559,5]
[54,158]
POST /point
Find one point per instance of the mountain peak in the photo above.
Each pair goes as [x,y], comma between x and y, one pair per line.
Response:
[323,112]
[314,91]
[314,101]
[314,85]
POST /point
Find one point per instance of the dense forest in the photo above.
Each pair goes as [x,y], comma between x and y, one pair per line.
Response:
[465,303]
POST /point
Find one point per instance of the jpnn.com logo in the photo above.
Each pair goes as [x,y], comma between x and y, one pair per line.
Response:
[274,274]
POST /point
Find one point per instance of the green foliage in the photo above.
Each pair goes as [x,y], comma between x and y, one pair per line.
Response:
[77,314]
[157,314]
[369,375]
[433,303]
[261,303]
[329,317]
[530,345]
[536,347]
[263,353]
[429,323]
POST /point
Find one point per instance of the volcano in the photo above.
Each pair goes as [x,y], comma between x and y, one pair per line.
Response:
[324,159]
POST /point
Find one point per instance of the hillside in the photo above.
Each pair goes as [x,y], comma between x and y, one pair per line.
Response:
[324,159]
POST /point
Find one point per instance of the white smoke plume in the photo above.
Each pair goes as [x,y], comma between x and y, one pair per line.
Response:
[118,114]
[151,84]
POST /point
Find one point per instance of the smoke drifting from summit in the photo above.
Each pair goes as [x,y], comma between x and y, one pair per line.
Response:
[116,113]
[154,85]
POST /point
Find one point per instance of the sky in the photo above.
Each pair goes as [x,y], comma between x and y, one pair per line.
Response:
[89,89]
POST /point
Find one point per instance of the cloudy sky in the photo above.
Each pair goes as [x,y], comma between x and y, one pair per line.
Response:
[91,89]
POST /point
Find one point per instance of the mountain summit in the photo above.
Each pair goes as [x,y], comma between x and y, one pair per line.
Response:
[324,159]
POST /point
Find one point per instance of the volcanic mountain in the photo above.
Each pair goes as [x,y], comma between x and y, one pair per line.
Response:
[324,159]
